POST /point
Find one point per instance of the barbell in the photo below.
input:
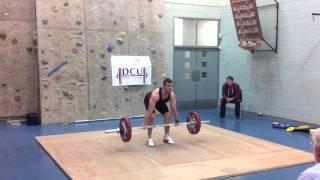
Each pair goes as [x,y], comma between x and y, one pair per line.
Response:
[125,128]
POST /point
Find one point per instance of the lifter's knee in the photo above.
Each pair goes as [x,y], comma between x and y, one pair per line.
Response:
[150,120]
[167,118]
[153,117]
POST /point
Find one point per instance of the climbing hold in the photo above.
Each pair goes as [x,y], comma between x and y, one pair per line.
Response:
[45,22]
[3,35]
[68,95]
[35,42]
[92,50]
[104,78]
[42,51]
[17,98]
[115,22]
[6,14]
[18,90]
[78,22]
[79,44]
[29,49]
[126,88]
[14,41]
[160,15]
[120,40]
[153,51]
[57,68]
[45,83]
[65,93]
[142,25]
[54,9]
[66,4]
[102,55]
[103,67]
[3,84]
[74,50]
[123,34]
[109,47]
[44,62]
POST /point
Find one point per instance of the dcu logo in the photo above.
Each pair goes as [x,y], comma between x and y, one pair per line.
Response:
[132,73]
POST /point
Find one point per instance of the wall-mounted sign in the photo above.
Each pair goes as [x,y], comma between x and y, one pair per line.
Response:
[131,70]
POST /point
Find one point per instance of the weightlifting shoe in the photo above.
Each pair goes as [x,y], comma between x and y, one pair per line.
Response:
[150,142]
[167,139]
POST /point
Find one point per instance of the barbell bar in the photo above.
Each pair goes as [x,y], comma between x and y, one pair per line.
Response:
[193,124]
[117,130]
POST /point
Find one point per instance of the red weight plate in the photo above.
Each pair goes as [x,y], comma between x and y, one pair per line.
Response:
[125,129]
[195,119]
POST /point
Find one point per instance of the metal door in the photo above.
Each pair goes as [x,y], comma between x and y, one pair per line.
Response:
[195,74]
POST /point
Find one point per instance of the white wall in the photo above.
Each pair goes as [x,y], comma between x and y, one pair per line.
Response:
[285,84]
[185,8]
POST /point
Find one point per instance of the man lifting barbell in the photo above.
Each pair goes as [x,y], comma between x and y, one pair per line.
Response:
[157,99]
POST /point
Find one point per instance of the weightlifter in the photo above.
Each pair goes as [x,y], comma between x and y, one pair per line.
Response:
[157,99]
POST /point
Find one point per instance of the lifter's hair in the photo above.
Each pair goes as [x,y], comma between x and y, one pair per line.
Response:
[167,80]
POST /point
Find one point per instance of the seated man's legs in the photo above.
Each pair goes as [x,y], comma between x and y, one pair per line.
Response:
[237,108]
[223,103]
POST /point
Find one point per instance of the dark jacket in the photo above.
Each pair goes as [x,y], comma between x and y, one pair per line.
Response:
[231,92]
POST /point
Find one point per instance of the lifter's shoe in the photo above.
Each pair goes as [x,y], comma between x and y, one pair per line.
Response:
[167,139]
[150,142]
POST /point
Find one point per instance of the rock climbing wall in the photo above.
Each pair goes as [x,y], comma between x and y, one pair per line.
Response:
[62,60]
[76,41]
[18,94]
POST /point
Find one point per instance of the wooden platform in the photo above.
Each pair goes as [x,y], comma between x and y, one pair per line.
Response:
[214,152]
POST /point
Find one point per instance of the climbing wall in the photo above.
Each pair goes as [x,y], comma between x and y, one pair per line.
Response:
[62,60]
[18,81]
[76,41]
[247,23]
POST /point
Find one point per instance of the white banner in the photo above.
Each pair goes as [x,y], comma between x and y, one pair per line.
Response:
[131,70]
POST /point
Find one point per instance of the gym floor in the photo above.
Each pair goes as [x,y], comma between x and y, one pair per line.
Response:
[21,157]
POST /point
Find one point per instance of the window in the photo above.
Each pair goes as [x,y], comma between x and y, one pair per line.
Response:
[187,65]
[204,64]
[207,33]
[184,32]
[187,76]
[195,32]
[204,75]
[204,54]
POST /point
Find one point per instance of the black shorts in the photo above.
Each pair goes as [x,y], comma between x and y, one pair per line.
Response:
[161,107]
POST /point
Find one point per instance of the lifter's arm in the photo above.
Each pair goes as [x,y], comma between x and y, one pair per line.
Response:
[173,106]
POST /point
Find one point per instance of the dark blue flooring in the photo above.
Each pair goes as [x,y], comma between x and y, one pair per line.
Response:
[21,157]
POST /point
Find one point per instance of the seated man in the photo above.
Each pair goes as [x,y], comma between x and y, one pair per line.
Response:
[230,94]
[313,173]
